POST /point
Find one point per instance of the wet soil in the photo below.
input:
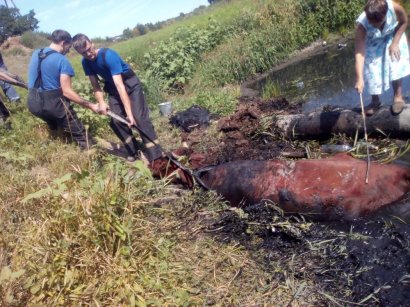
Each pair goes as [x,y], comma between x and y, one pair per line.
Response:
[365,262]
[248,134]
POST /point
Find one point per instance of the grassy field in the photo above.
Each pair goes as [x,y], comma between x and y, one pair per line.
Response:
[86,228]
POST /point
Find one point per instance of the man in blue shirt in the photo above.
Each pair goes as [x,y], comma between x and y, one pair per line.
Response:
[126,97]
[50,91]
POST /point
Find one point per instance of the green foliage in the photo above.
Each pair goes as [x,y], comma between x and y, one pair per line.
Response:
[57,189]
[152,85]
[271,89]
[271,35]
[12,23]
[174,60]
[333,15]
[221,101]
[153,89]
[96,124]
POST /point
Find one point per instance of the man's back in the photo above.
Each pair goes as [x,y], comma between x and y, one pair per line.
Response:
[54,65]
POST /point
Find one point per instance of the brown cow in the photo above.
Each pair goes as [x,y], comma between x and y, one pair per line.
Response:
[328,188]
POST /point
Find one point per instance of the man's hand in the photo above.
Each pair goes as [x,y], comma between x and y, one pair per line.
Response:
[103,108]
[394,52]
[359,85]
[131,121]
[93,107]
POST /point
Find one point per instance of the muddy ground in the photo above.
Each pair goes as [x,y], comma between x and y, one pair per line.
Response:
[365,262]
[248,134]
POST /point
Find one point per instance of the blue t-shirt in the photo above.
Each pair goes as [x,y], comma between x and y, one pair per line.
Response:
[113,65]
[54,65]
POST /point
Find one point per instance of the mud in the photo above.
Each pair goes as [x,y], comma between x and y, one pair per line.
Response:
[248,134]
[365,262]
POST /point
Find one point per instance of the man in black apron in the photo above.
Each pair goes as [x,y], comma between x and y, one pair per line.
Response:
[126,97]
[50,91]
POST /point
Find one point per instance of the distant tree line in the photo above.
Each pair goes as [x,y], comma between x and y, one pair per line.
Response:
[214,1]
[142,29]
[13,23]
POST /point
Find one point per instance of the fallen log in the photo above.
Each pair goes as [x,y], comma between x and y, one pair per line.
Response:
[326,189]
[322,125]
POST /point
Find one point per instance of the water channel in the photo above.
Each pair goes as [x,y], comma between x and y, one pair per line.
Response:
[326,78]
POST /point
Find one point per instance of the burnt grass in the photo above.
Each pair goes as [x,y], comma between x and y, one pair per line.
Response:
[350,263]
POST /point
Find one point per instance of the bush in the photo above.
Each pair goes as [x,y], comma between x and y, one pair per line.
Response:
[34,40]
[174,60]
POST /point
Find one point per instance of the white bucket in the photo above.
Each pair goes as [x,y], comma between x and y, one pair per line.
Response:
[165,108]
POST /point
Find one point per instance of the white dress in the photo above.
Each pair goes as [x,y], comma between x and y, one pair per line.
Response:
[379,68]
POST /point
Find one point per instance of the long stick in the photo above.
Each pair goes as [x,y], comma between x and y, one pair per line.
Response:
[365,137]
[169,156]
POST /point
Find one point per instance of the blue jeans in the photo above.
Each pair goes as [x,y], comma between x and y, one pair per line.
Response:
[8,89]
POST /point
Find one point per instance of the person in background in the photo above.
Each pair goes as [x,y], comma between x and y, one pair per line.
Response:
[7,88]
[382,52]
[50,91]
[126,97]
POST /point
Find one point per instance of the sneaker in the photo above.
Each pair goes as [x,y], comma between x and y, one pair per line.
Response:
[372,108]
[397,107]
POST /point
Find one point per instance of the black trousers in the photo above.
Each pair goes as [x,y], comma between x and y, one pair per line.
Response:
[141,112]
[58,113]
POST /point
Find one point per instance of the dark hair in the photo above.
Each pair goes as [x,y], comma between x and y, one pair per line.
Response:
[80,41]
[59,36]
[376,10]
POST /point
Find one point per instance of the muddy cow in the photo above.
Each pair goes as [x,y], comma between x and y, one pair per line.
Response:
[328,188]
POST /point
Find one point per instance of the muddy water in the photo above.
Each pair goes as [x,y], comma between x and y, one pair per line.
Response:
[326,78]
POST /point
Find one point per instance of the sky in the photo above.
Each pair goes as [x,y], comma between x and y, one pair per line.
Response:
[102,18]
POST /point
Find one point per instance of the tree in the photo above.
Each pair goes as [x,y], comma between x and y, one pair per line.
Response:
[127,33]
[141,29]
[12,23]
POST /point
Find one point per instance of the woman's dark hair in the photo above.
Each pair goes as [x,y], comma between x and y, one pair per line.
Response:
[59,36]
[376,10]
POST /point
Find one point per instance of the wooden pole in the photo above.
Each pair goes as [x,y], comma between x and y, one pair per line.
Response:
[365,137]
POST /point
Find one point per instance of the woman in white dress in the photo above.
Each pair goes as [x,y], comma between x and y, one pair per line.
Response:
[382,53]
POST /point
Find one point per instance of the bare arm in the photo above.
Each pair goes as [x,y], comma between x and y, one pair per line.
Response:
[98,93]
[401,15]
[69,93]
[359,56]
[119,84]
